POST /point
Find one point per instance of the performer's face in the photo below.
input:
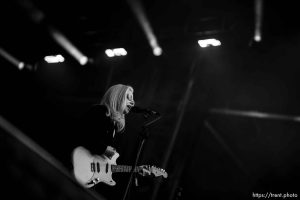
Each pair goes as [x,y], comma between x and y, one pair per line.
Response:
[129,102]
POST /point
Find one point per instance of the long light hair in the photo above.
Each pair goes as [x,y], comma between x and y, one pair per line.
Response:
[114,100]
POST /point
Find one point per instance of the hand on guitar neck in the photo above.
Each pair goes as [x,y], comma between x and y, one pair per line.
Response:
[144,170]
[110,152]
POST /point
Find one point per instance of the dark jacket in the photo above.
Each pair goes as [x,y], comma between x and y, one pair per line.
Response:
[96,130]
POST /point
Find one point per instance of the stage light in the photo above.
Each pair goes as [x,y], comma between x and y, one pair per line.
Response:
[120,52]
[257,37]
[115,52]
[109,53]
[21,65]
[54,59]
[157,51]
[209,42]
[83,60]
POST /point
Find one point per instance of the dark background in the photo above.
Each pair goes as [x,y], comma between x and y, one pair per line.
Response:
[214,156]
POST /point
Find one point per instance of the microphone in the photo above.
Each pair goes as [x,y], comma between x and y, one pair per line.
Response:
[145,111]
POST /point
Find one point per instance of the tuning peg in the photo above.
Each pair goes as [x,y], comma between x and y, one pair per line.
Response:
[96,180]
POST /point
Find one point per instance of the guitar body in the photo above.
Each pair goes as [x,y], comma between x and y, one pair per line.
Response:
[90,170]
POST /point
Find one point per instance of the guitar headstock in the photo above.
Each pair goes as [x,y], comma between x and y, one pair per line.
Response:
[158,171]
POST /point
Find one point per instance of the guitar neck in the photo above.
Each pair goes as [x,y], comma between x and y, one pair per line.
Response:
[124,168]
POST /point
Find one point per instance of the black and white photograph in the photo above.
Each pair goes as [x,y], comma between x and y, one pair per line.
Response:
[150,99]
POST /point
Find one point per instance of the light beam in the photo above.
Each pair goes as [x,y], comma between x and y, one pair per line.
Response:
[68,46]
[19,64]
[258,9]
[144,22]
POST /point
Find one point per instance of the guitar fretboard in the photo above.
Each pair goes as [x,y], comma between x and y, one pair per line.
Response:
[124,168]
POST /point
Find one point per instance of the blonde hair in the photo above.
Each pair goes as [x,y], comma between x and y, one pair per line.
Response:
[114,99]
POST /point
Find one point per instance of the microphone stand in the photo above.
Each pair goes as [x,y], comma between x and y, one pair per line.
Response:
[145,134]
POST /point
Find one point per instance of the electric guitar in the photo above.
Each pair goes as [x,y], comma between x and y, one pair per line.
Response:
[92,169]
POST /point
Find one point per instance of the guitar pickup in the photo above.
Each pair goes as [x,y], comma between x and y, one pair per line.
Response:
[98,167]
[93,167]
